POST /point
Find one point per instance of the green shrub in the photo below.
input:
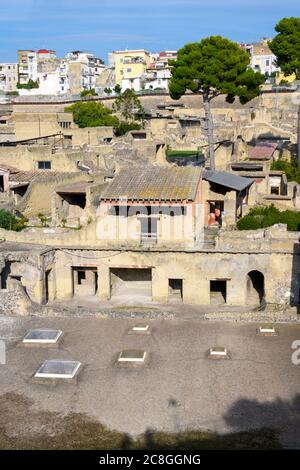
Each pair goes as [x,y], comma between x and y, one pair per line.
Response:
[9,221]
[29,85]
[125,127]
[291,169]
[91,92]
[20,224]
[118,89]
[43,219]
[12,93]
[261,217]
[92,114]
[284,82]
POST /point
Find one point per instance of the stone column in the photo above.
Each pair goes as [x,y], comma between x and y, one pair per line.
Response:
[160,286]
[103,282]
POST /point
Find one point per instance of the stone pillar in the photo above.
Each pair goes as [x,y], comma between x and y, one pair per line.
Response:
[229,217]
[64,282]
[160,286]
[103,282]
[236,291]
[39,291]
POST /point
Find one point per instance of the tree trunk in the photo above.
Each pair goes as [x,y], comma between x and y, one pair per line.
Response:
[298,139]
[210,131]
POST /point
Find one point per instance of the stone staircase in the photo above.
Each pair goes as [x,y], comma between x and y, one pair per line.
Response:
[210,234]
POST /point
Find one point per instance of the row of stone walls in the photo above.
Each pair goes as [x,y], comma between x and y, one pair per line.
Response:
[196,270]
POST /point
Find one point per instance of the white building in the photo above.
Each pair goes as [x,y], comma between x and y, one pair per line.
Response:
[157,75]
[261,57]
[8,77]
[29,61]
[50,73]
[76,72]
[86,69]
[158,79]
[53,82]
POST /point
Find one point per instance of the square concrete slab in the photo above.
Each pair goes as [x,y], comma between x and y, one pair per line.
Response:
[132,355]
[267,331]
[42,336]
[131,358]
[140,329]
[58,369]
[218,352]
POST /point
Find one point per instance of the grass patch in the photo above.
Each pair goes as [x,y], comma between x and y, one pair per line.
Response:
[182,153]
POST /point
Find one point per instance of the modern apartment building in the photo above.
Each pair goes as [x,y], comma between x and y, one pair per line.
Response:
[130,65]
[262,58]
[8,77]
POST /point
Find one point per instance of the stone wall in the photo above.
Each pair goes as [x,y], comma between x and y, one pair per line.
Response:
[14,302]
[37,198]
[280,271]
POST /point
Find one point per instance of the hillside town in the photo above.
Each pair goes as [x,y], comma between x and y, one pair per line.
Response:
[150,206]
[41,72]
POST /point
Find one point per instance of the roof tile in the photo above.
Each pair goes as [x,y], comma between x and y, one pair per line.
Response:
[154,183]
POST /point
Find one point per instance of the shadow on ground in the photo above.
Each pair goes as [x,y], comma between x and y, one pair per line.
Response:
[21,427]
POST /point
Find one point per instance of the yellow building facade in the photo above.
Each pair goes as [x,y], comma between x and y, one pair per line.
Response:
[130,64]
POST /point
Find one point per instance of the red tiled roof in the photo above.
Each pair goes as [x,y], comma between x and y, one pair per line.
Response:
[8,168]
[44,51]
[263,151]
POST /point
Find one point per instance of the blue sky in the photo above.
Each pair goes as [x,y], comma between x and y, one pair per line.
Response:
[100,26]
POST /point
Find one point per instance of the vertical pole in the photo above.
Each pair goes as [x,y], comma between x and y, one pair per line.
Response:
[298,140]
[210,131]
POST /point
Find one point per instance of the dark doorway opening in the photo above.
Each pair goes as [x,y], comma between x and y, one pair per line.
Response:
[218,292]
[5,275]
[176,289]
[47,282]
[75,199]
[255,288]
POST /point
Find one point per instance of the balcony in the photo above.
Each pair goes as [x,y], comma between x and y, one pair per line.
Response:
[148,239]
[134,60]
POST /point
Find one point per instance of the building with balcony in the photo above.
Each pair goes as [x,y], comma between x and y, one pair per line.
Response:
[8,77]
[130,64]
[84,70]
[262,58]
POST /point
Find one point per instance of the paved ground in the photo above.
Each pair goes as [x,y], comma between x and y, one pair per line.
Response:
[179,388]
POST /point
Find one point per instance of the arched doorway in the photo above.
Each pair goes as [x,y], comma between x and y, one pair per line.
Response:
[255,288]
[5,274]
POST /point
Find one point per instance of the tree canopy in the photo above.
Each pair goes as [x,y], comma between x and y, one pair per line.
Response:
[214,66]
[118,89]
[92,114]
[286,46]
[129,106]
